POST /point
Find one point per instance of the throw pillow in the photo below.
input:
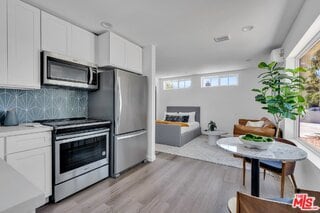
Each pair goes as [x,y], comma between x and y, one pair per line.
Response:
[170,113]
[255,123]
[177,118]
[172,118]
[191,115]
[184,118]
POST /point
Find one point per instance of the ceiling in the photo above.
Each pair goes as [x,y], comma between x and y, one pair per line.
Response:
[183,30]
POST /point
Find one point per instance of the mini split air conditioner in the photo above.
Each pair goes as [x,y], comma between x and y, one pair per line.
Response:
[277,55]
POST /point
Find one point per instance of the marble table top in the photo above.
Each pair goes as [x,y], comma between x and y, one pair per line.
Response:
[277,151]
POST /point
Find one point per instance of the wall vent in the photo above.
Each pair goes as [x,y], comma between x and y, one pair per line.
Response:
[222,38]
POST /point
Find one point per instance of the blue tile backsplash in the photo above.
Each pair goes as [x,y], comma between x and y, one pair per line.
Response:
[46,103]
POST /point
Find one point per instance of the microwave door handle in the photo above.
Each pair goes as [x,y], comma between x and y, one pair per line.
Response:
[91,75]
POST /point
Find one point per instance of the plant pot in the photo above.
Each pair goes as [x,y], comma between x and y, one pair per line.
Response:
[256,145]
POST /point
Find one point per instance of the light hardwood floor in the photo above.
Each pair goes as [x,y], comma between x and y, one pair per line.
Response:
[169,184]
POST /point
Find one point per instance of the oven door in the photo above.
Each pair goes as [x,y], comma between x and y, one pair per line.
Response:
[78,155]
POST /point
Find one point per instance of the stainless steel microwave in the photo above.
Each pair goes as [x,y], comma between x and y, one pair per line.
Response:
[60,70]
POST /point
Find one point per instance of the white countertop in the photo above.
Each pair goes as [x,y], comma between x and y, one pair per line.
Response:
[23,129]
[17,194]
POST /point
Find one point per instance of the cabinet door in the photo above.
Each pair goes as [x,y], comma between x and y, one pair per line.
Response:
[2,148]
[82,44]
[134,57]
[55,34]
[19,143]
[3,41]
[117,51]
[35,165]
[23,45]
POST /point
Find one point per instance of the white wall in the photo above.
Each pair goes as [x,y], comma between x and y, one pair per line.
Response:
[307,172]
[308,14]
[224,105]
[149,70]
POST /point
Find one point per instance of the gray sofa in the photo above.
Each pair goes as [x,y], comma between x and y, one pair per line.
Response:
[171,134]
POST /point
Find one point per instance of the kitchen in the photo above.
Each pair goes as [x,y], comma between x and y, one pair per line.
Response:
[71,133]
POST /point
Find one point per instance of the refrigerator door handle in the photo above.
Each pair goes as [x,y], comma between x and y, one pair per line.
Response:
[118,104]
[131,135]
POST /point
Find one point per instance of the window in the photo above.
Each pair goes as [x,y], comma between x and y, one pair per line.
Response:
[219,80]
[309,125]
[176,84]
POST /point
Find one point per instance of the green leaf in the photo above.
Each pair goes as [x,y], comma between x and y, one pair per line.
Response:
[288,106]
[260,98]
[256,90]
[278,68]
[264,75]
[293,117]
[301,99]
[262,65]
[300,69]
[272,65]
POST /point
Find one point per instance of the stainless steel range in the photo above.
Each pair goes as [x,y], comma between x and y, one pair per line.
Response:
[80,152]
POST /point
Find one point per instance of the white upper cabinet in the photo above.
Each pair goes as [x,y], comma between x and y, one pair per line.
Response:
[3,41]
[134,57]
[82,44]
[115,51]
[55,33]
[67,39]
[23,45]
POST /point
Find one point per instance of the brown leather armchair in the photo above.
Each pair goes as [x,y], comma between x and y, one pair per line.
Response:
[269,129]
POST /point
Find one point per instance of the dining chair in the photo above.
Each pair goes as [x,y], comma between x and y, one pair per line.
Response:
[245,203]
[311,193]
[282,168]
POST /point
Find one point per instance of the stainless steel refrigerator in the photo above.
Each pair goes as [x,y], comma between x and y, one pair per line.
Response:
[122,98]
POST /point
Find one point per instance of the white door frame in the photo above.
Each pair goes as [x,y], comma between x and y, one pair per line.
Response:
[311,36]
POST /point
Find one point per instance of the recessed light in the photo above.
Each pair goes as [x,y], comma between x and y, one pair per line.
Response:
[247,28]
[106,25]
[248,60]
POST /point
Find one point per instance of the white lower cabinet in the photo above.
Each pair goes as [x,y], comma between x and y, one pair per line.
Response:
[30,154]
[35,165]
[2,148]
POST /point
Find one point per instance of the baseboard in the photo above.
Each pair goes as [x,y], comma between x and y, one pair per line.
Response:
[151,158]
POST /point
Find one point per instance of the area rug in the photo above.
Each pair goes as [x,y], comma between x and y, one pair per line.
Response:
[199,149]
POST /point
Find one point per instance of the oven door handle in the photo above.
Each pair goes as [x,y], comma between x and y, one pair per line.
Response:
[82,138]
[81,134]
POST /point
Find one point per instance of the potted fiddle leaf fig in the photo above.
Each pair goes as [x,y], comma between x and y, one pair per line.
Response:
[280,92]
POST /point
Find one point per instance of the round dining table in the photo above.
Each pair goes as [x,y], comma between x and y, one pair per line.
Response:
[276,152]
